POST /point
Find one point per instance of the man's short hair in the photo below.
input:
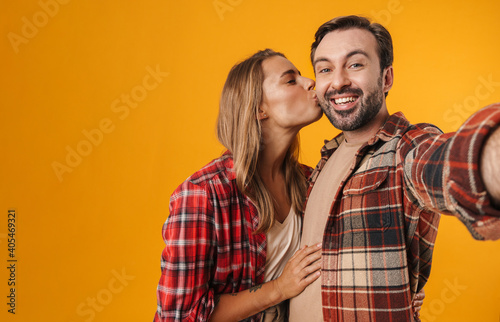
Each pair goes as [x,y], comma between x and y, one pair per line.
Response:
[382,36]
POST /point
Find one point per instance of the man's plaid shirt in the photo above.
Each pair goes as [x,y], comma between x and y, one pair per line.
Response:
[379,237]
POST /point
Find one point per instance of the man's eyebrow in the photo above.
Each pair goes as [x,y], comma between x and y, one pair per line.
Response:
[357,52]
[321,59]
[290,71]
[350,54]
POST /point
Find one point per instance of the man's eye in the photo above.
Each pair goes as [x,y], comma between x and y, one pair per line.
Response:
[292,81]
[324,70]
[356,65]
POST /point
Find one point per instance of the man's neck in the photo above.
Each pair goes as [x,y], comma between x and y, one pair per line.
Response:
[366,132]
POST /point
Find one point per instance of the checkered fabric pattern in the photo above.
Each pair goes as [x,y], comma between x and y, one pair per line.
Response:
[210,245]
[379,237]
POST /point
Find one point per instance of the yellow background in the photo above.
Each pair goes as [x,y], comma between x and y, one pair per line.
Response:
[89,236]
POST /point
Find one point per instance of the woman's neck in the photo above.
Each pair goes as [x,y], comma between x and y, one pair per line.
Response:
[274,148]
[270,168]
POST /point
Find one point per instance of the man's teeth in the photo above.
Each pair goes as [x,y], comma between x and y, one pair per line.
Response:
[344,100]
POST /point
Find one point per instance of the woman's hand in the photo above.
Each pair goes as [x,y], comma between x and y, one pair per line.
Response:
[418,301]
[301,270]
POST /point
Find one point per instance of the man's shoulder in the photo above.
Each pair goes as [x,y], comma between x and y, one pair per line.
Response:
[398,125]
[307,169]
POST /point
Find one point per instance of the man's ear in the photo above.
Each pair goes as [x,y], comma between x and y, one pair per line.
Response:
[387,78]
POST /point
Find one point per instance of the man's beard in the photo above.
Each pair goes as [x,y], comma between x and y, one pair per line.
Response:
[354,118]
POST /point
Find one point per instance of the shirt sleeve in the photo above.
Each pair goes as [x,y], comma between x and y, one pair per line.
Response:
[442,171]
[184,292]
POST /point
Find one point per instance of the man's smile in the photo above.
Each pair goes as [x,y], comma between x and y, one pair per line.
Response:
[344,100]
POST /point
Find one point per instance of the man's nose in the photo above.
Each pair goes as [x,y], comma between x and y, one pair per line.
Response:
[340,79]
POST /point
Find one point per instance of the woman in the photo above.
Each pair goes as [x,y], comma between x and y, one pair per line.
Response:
[234,224]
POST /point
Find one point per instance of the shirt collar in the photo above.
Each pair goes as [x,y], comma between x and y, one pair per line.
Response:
[228,164]
[394,125]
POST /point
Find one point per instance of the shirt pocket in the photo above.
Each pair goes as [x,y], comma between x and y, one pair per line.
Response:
[366,196]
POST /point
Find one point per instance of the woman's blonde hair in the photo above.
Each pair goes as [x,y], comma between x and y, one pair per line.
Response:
[239,130]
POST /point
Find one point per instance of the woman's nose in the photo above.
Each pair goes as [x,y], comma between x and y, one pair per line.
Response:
[309,83]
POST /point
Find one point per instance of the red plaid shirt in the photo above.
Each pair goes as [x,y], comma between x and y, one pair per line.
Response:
[210,245]
[379,237]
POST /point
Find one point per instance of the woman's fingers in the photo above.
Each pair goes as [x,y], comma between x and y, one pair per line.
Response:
[307,255]
[309,270]
[309,264]
[311,278]
[417,304]
[304,252]
[418,300]
[301,270]
[420,295]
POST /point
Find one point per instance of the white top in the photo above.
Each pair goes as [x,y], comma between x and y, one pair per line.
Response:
[283,240]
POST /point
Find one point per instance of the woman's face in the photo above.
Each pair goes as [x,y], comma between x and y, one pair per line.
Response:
[289,100]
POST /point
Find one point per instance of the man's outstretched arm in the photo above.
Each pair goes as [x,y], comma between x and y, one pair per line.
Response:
[490,166]
[458,173]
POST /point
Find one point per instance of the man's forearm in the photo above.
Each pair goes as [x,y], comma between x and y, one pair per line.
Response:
[490,166]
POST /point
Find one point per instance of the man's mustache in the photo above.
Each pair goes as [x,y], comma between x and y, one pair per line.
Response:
[343,91]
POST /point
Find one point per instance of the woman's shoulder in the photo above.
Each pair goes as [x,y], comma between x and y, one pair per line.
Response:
[217,171]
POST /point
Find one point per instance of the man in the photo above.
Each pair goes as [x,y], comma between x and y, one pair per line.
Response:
[375,197]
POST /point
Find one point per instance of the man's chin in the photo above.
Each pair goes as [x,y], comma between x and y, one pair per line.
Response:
[344,113]
[344,122]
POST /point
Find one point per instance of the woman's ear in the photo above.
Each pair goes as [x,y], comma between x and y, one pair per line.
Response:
[261,115]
